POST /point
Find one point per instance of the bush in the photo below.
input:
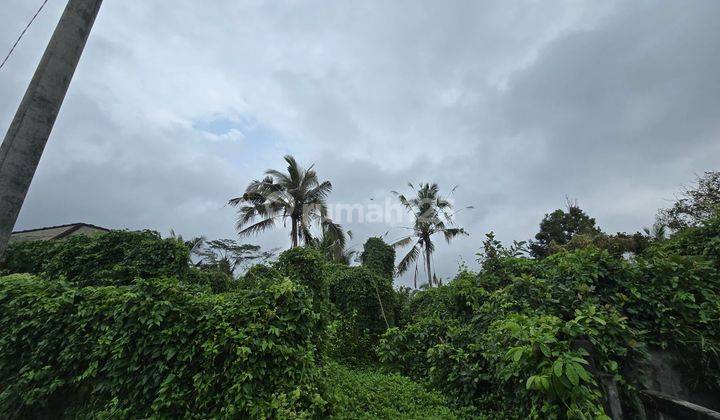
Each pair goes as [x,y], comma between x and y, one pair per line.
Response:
[156,348]
[702,240]
[379,257]
[363,303]
[511,330]
[216,281]
[370,395]
[116,257]
[305,265]
[405,349]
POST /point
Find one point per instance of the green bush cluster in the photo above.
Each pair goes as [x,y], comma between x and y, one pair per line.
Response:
[156,348]
[364,394]
[363,304]
[116,257]
[516,333]
[121,325]
[214,280]
[379,257]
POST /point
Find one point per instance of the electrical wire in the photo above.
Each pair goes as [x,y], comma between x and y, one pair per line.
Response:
[22,33]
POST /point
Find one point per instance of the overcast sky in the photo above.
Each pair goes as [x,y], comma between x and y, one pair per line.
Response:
[176,106]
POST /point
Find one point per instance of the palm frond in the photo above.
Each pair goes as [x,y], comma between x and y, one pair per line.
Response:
[451,233]
[258,227]
[402,242]
[295,172]
[280,177]
[408,259]
[320,192]
[334,233]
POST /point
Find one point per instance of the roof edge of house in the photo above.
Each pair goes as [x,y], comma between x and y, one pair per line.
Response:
[75,227]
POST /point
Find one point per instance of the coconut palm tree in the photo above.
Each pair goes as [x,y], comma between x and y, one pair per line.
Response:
[432,214]
[296,195]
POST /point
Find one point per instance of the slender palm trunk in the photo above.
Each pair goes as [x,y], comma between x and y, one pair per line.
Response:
[294,232]
[427,265]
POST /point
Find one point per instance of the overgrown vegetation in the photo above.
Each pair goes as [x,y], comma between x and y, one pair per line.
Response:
[517,333]
[156,348]
[366,394]
[127,324]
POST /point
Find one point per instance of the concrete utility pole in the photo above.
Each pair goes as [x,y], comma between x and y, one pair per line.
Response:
[29,131]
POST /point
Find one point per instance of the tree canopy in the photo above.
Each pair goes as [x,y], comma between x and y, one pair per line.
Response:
[559,227]
[297,195]
[695,205]
[432,214]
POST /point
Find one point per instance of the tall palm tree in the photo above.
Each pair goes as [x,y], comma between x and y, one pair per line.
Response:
[296,195]
[432,214]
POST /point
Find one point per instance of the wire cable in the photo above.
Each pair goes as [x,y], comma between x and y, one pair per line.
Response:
[22,33]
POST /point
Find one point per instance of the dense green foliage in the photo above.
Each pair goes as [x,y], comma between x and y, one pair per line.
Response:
[364,305]
[116,257]
[366,394]
[125,324]
[120,345]
[559,227]
[155,348]
[379,257]
[514,331]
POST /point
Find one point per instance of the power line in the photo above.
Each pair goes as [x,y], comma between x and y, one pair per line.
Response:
[21,34]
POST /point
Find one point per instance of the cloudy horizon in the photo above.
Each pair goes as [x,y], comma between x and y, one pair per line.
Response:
[175,108]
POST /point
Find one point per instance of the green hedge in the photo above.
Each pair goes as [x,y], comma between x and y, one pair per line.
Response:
[116,257]
[156,348]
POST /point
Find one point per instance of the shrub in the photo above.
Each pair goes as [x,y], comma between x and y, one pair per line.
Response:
[405,349]
[531,358]
[216,281]
[116,257]
[455,300]
[702,240]
[27,257]
[512,329]
[363,394]
[156,349]
[379,257]
[305,265]
[363,303]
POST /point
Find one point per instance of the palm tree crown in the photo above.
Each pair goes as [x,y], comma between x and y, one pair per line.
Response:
[334,247]
[296,195]
[432,214]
